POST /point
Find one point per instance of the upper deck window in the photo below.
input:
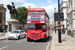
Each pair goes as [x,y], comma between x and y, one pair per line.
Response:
[39,12]
[32,13]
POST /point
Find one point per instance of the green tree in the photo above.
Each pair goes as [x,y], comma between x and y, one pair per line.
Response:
[21,15]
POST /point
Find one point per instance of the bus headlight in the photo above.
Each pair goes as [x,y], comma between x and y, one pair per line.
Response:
[28,34]
[42,35]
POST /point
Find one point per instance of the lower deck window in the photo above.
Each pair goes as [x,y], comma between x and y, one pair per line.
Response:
[30,26]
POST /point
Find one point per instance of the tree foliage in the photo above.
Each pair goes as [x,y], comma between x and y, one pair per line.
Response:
[21,15]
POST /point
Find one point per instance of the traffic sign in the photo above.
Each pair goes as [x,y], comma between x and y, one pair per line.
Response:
[56,17]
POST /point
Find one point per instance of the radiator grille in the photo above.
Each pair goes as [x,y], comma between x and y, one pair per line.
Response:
[35,35]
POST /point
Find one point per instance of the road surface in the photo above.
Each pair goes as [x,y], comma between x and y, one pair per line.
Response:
[22,44]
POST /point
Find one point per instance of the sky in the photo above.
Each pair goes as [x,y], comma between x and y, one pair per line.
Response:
[48,5]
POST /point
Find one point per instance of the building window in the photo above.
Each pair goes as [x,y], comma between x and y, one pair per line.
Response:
[3,20]
[10,27]
[3,15]
[3,10]
[66,4]
[3,27]
[67,9]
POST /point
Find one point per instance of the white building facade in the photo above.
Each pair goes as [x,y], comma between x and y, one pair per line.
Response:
[63,9]
[71,14]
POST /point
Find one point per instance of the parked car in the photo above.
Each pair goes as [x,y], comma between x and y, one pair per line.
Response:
[16,34]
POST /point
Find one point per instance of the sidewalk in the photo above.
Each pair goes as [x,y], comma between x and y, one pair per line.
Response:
[4,37]
[68,42]
[2,33]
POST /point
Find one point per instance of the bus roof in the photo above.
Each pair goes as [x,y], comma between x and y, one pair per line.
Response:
[36,9]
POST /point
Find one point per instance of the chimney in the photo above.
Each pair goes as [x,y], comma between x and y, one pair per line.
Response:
[29,7]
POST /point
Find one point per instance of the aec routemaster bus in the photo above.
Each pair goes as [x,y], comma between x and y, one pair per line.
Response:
[37,24]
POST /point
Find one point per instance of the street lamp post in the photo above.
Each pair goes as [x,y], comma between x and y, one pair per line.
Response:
[59,29]
[55,21]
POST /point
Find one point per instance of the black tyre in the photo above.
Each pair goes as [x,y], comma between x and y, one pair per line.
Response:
[45,36]
[18,37]
[8,39]
[45,39]
[28,39]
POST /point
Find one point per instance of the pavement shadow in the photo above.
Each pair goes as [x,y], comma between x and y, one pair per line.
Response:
[17,39]
[43,40]
[64,39]
[3,39]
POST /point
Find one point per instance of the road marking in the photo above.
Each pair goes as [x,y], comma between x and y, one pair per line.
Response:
[21,41]
[6,41]
[52,34]
[32,42]
[3,47]
[48,43]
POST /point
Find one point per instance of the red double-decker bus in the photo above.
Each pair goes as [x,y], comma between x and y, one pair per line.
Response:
[37,24]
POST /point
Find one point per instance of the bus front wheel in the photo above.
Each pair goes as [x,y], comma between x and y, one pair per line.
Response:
[45,38]
[28,39]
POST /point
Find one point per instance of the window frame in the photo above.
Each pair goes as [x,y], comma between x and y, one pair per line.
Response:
[3,20]
[3,15]
[3,27]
